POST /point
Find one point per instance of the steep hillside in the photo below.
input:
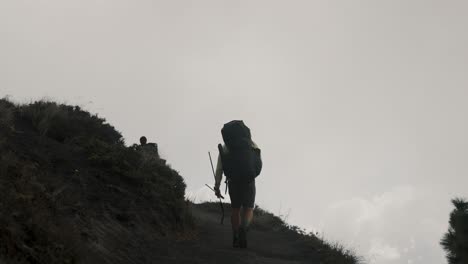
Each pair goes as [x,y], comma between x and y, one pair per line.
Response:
[72,192]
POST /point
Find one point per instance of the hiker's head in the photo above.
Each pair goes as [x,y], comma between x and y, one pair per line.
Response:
[143,140]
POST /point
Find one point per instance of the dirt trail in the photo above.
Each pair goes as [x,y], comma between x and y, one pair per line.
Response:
[214,244]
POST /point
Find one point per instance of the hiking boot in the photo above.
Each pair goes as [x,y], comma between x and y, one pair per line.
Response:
[235,240]
[242,237]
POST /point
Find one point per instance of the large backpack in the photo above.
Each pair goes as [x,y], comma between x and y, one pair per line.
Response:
[242,162]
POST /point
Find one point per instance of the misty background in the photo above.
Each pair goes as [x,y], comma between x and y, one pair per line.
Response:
[359,106]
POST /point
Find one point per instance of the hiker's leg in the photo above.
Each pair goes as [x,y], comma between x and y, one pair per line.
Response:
[235,206]
[235,223]
[235,219]
[248,204]
[235,213]
[248,216]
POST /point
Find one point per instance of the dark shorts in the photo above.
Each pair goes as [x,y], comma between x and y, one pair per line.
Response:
[242,195]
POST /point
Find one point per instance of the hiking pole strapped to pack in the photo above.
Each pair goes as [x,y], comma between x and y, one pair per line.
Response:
[220,202]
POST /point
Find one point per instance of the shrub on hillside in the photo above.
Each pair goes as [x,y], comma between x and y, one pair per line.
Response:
[64,122]
[6,115]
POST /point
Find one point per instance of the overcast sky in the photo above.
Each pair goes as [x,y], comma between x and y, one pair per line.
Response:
[359,106]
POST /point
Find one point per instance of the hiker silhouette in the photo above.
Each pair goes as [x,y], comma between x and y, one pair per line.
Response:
[240,160]
[149,150]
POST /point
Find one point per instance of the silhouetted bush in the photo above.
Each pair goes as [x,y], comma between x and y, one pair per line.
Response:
[65,122]
[6,115]
[455,241]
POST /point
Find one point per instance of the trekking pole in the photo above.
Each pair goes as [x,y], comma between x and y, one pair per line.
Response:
[220,202]
[213,190]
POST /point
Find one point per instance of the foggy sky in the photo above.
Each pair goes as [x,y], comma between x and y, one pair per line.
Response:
[359,106]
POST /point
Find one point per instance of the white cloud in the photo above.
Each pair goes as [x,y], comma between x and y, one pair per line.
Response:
[360,211]
[381,251]
[383,220]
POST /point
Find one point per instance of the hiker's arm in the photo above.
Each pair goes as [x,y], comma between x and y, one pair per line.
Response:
[219,173]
